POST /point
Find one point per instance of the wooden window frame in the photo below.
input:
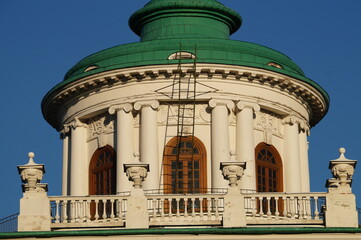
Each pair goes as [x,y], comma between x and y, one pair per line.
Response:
[168,158]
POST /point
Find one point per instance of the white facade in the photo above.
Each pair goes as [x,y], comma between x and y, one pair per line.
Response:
[248,107]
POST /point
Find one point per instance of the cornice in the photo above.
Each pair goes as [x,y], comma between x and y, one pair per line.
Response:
[294,87]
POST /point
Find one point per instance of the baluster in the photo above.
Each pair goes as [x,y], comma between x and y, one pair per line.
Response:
[162,207]
[254,206]
[201,207]
[96,210]
[57,217]
[112,210]
[316,208]
[170,207]
[216,205]
[292,207]
[178,202]
[87,210]
[119,209]
[268,199]
[193,200]
[83,210]
[65,211]
[277,213]
[261,206]
[209,207]
[308,207]
[154,204]
[104,210]
[285,207]
[71,215]
[304,208]
[186,207]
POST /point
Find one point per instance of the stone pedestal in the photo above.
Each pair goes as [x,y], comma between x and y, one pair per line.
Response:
[137,209]
[340,202]
[234,214]
[35,205]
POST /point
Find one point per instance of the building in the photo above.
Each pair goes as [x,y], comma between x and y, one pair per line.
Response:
[189,112]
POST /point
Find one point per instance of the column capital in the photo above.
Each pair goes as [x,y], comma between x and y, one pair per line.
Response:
[290,120]
[242,105]
[126,107]
[73,125]
[214,102]
[150,103]
[305,127]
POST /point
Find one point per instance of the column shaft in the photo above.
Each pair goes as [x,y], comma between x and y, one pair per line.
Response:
[292,158]
[220,147]
[65,180]
[125,147]
[78,168]
[305,174]
[149,141]
[245,147]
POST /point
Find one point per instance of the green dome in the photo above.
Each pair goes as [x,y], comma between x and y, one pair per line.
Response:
[165,19]
[168,26]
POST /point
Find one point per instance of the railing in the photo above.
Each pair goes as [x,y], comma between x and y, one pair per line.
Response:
[9,223]
[185,209]
[204,209]
[281,208]
[92,211]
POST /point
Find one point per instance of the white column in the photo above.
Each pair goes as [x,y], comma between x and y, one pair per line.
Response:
[292,171]
[149,141]
[78,159]
[305,171]
[65,181]
[245,143]
[124,143]
[220,149]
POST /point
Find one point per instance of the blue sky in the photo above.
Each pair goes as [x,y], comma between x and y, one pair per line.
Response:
[40,40]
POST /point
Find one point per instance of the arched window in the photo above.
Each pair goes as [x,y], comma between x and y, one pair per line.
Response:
[268,169]
[185,167]
[102,172]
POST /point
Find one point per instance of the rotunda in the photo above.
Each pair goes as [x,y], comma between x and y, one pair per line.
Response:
[183,100]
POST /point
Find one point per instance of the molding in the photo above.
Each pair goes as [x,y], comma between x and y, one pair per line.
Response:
[126,107]
[301,91]
[99,127]
[154,104]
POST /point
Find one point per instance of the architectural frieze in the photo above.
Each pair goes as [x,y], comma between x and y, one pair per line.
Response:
[296,88]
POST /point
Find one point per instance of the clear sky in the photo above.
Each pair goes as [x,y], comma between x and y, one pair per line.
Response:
[40,40]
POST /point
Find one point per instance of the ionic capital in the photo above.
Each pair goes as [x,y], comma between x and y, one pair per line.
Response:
[126,107]
[73,125]
[154,104]
[305,127]
[290,120]
[242,105]
[221,102]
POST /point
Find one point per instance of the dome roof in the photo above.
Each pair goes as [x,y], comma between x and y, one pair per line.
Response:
[169,26]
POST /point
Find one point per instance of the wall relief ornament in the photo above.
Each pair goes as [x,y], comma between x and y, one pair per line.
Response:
[270,123]
[136,173]
[99,127]
[233,171]
[202,114]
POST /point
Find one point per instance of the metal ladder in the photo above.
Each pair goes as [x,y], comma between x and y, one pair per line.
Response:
[183,95]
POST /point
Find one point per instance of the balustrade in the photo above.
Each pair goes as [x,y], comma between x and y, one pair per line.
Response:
[189,209]
[88,211]
[303,208]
